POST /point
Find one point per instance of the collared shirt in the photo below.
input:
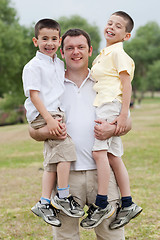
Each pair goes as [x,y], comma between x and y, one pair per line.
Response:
[77,103]
[105,71]
[45,75]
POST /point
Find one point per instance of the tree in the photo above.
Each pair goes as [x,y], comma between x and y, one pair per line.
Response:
[144,48]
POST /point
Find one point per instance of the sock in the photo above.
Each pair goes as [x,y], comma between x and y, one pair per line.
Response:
[126,201]
[101,201]
[63,192]
[45,200]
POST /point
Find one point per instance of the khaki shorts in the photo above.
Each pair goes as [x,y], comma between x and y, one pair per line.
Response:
[109,112]
[83,185]
[55,151]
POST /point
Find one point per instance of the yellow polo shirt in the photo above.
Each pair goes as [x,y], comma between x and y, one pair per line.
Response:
[105,71]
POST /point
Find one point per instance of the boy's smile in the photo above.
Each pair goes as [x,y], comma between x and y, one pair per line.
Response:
[115,30]
[48,41]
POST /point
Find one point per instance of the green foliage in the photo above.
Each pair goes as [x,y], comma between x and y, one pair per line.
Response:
[144,48]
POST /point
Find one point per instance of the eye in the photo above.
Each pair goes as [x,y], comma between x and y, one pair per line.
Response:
[44,38]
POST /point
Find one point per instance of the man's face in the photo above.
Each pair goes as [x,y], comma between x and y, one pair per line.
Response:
[48,41]
[76,52]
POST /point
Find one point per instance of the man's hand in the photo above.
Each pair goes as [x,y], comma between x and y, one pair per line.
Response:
[103,130]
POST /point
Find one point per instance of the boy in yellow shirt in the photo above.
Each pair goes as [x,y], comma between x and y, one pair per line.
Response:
[113,72]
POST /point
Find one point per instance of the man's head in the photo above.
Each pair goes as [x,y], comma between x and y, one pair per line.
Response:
[47,36]
[76,48]
[118,28]
[75,32]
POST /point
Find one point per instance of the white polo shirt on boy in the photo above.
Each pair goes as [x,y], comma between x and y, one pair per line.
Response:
[45,75]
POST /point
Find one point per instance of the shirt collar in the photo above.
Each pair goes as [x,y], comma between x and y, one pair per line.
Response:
[109,49]
[87,78]
[45,57]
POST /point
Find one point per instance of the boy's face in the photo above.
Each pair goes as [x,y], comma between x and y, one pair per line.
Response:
[115,30]
[76,52]
[48,41]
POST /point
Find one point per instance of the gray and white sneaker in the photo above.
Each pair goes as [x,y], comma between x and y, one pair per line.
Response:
[68,205]
[96,215]
[124,215]
[47,212]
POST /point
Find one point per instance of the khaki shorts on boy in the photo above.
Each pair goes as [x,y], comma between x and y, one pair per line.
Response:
[55,151]
[109,112]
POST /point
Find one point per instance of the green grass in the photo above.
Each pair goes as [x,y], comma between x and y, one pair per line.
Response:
[20,179]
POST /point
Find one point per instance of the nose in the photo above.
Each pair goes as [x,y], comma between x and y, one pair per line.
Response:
[49,42]
[75,50]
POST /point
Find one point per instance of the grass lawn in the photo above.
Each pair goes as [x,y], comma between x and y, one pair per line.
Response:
[21,173]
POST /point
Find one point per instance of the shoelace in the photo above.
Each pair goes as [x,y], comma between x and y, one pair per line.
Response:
[90,211]
[73,202]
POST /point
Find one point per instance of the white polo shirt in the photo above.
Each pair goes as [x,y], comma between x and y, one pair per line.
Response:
[80,115]
[43,74]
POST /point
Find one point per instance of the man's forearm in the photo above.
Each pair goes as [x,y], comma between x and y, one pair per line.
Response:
[43,134]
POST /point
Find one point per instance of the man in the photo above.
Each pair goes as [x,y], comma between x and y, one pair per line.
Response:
[77,103]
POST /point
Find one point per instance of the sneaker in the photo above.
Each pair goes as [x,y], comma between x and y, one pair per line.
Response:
[47,212]
[68,205]
[124,215]
[96,215]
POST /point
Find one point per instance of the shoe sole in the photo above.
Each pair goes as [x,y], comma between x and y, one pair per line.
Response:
[59,207]
[125,223]
[99,222]
[45,219]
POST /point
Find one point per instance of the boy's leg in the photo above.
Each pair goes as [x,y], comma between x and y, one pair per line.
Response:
[48,183]
[103,171]
[101,209]
[128,209]
[63,200]
[43,208]
[121,174]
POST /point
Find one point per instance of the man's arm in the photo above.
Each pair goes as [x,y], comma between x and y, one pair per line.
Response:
[104,130]
[43,134]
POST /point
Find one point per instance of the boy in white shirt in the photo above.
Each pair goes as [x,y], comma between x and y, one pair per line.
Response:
[113,72]
[43,82]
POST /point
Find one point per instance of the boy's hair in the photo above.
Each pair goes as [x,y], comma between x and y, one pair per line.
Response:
[74,32]
[125,16]
[46,23]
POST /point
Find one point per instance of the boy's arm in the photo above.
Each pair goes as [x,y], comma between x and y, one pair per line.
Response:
[121,120]
[54,126]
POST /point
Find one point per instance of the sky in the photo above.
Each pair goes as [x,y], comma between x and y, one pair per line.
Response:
[94,11]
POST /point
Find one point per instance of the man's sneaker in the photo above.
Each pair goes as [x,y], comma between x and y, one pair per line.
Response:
[124,215]
[96,215]
[68,205]
[47,212]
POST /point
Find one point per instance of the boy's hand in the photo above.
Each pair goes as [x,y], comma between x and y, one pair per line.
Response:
[121,122]
[55,126]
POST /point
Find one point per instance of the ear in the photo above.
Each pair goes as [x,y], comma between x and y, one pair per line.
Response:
[35,41]
[90,51]
[62,53]
[127,37]
[60,40]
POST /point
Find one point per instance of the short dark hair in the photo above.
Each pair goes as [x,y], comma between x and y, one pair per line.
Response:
[74,32]
[125,16]
[46,23]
